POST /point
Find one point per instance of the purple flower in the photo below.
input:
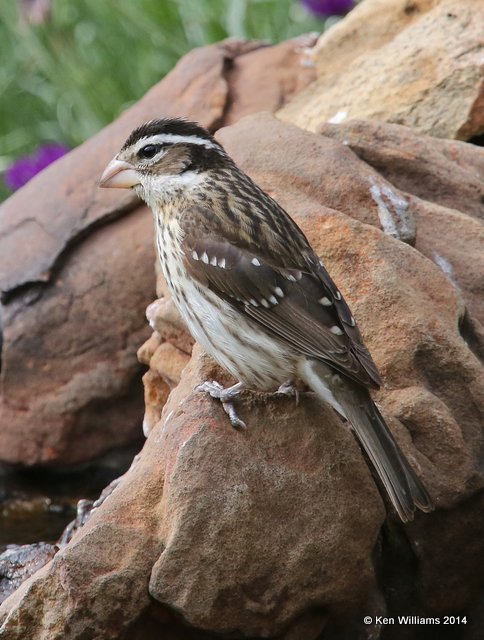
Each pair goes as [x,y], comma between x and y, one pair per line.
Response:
[326,8]
[25,168]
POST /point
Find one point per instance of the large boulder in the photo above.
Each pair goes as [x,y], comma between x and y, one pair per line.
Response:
[236,531]
[76,272]
[411,62]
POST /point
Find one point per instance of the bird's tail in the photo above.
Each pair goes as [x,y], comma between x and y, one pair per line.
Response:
[353,402]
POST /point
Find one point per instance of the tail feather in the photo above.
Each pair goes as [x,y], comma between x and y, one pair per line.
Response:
[401,483]
[404,488]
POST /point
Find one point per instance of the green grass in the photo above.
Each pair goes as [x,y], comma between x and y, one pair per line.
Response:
[64,80]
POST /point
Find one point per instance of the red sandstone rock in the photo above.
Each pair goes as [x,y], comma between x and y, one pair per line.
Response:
[236,531]
[446,177]
[445,172]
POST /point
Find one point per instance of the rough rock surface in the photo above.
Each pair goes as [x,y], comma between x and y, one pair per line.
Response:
[166,353]
[324,171]
[76,271]
[412,62]
[445,172]
[446,179]
[239,532]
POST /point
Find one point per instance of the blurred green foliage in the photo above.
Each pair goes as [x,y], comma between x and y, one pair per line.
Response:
[65,79]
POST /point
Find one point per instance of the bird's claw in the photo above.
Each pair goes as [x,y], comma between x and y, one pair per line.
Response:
[235,421]
[217,391]
[289,389]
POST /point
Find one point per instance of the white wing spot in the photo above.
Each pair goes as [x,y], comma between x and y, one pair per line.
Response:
[205,257]
[291,278]
[264,303]
[337,295]
[279,292]
[213,261]
[326,302]
[321,263]
[255,262]
[352,321]
[253,302]
[221,263]
[195,255]
[274,300]
[336,330]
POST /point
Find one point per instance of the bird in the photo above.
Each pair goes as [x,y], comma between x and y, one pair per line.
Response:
[253,292]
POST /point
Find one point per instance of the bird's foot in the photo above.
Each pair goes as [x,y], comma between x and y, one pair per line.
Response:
[226,396]
[289,389]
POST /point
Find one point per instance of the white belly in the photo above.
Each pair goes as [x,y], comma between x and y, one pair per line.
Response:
[235,342]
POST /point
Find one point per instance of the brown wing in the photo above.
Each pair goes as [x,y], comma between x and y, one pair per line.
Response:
[301,306]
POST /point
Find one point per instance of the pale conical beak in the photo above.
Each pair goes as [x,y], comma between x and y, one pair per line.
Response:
[119,174]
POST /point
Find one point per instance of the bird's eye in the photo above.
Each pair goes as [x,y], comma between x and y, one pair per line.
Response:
[149,151]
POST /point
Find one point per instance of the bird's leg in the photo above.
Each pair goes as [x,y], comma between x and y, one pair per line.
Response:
[217,391]
[289,389]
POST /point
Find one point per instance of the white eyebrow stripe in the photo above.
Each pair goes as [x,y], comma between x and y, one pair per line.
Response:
[173,138]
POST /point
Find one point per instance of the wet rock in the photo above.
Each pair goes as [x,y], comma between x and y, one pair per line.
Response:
[19,562]
[73,297]
[417,63]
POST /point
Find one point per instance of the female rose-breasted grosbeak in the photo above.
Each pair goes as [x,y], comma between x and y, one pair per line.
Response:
[252,291]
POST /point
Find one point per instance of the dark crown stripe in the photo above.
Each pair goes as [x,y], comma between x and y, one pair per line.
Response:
[174,126]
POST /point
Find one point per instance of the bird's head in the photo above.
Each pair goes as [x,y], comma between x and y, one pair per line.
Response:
[164,156]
